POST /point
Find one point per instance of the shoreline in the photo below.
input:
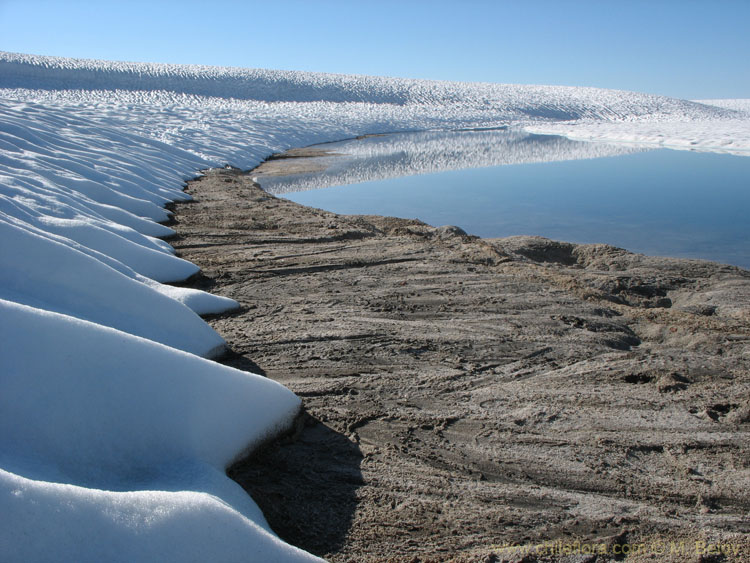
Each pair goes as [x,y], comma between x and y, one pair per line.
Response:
[490,205]
[464,393]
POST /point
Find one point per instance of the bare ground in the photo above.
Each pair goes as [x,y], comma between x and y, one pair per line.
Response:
[467,395]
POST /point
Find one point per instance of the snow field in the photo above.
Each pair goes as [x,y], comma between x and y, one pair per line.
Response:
[114,431]
[727,135]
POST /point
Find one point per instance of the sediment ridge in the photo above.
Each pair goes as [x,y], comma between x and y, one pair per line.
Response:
[464,396]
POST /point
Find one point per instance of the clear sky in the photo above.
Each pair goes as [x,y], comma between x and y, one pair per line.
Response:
[684,48]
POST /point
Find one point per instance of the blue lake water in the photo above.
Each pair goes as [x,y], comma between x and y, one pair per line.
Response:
[659,202]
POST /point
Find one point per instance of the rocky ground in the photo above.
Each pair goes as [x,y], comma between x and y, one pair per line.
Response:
[465,396]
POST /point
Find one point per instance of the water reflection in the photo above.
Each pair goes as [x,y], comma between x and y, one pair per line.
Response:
[379,157]
[503,183]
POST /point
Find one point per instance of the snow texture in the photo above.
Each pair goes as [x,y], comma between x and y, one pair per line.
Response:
[114,432]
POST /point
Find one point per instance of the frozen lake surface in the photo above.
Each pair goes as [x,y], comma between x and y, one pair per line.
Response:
[659,202]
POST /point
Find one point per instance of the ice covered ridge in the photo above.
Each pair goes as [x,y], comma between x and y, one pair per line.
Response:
[114,431]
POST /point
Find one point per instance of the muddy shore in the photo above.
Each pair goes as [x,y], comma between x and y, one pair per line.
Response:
[463,395]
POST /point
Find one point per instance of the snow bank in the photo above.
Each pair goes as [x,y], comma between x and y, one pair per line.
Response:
[161,409]
[55,522]
[86,411]
[41,270]
[114,433]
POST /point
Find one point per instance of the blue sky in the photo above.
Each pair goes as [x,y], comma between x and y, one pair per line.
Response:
[683,48]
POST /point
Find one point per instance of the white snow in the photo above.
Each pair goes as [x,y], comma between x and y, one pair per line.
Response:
[89,413]
[114,432]
[738,104]
[726,135]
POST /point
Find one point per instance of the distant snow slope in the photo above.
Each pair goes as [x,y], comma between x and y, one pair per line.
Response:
[722,135]
[742,105]
[553,102]
[114,433]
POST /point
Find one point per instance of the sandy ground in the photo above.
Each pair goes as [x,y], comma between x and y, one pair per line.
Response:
[481,400]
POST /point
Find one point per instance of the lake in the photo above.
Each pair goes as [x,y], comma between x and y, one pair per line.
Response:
[499,183]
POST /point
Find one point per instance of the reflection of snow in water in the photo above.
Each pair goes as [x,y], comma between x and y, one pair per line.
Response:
[660,202]
[406,154]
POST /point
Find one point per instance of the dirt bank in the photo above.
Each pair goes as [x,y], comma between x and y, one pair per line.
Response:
[466,394]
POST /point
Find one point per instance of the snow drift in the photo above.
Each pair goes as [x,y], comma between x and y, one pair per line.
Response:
[115,432]
[90,413]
